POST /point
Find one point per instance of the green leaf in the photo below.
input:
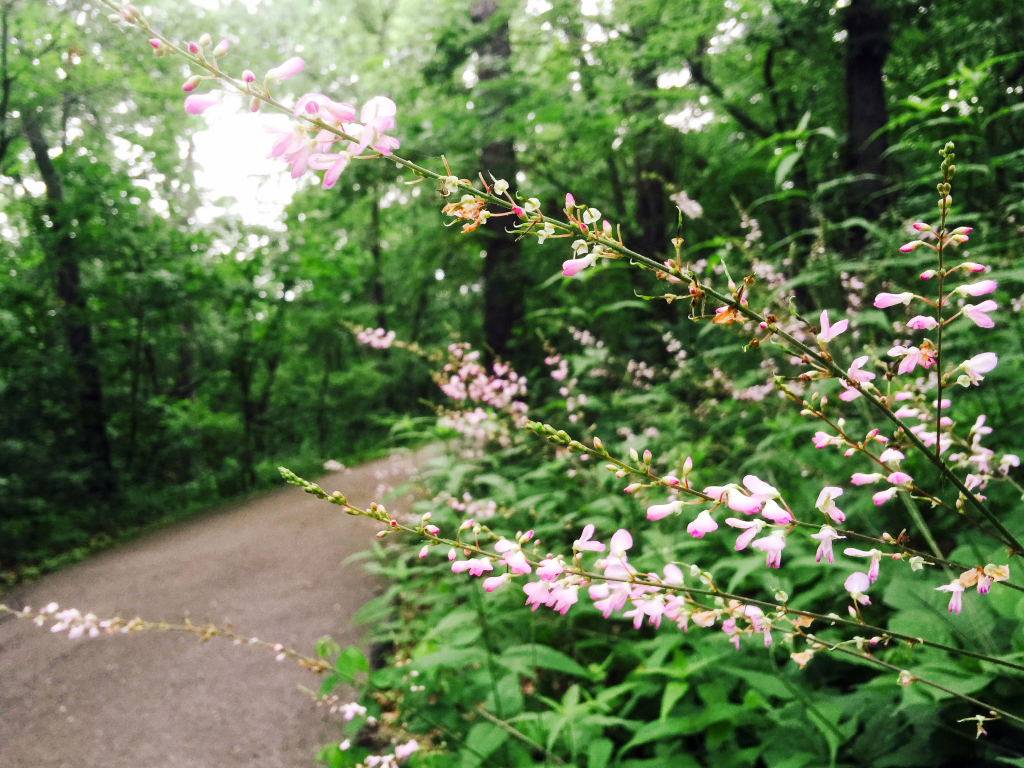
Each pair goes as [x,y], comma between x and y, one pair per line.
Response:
[350,661]
[662,729]
[326,647]
[524,658]
[673,692]
[599,751]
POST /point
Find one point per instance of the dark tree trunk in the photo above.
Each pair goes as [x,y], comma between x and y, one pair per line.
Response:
[504,290]
[867,46]
[62,252]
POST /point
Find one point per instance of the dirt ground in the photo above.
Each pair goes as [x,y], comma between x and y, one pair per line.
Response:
[272,565]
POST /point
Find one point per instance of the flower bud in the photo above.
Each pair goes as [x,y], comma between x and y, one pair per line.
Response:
[598,444]
[191,83]
[155,43]
[426,516]
[633,487]
[928,274]
[115,18]
[221,49]
[962,231]
[431,529]
[670,481]
[913,245]
[248,76]
[254,104]
[647,457]
[570,201]
[920,226]
[204,40]
[193,48]
[687,466]
[129,13]
[634,455]
[382,534]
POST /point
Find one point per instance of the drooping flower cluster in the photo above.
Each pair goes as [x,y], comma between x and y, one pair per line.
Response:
[378,339]
[465,378]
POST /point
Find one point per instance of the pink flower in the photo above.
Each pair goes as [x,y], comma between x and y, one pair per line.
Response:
[772,546]
[570,201]
[900,478]
[874,554]
[512,556]
[571,267]
[884,300]
[973,266]
[402,751]
[476,567]
[977,289]
[658,511]
[976,312]
[760,491]
[564,597]
[857,374]
[673,575]
[196,104]
[912,357]
[913,245]
[621,541]
[883,496]
[550,569]
[493,582]
[538,593]
[891,454]
[827,504]
[956,598]
[377,116]
[857,584]
[333,164]
[702,524]
[609,598]
[772,511]
[752,528]
[828,331]
[859,478]
[826,536]
[248,76]
[977,365]
[584,543]
[155,43]
[288,69]
[849,393]
[824,439]
[922,323]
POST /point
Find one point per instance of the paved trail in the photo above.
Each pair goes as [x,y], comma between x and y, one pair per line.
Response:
[271,565]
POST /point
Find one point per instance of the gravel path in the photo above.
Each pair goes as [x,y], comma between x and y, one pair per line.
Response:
[271,565]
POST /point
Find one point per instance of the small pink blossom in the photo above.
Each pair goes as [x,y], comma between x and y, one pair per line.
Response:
[155,43]
[585,544]
[564,597]
[702,524]
[538,593]
[658,511]
[900,478]
[476,567]
[772,511]
[402,751]
[857,374]
[922,323]
[828,331]
[956,598]
[333,164]
[977,365]
[571,267]
[550,569]
[826,536]
[977,289]
[248,76]
[883,496]
[891,454]
[288,69]
[857,584]
[493,582]
[973,266]
[884,300]
[913,245]
[977,313]
[826,503]
[874,554]
[860,478]
[928,274]
[760,490]
[751,529]
[772,545]
[196,104]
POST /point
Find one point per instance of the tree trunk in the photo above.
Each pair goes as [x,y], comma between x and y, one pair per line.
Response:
[77,332]
[867,46]
[504,290]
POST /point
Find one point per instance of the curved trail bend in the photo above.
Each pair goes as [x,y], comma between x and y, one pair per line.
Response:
[271,565]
